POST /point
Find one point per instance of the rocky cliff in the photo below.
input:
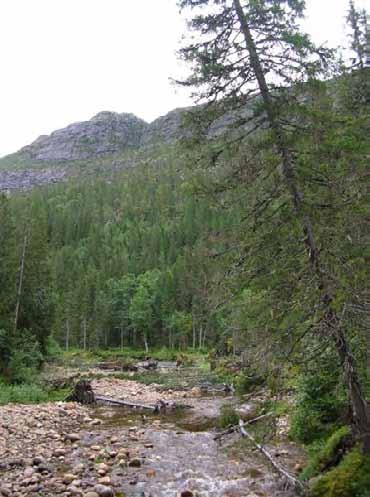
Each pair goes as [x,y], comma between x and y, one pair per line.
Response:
[105,133]
[94,144]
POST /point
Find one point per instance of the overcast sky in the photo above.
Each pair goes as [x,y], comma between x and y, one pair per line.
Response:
[66,60]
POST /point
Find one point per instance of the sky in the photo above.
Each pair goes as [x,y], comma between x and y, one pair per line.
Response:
[63,61]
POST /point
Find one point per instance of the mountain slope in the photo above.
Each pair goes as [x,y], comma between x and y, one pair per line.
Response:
[107,132]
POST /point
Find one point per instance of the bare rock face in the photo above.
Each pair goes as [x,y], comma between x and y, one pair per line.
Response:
[105,133]
[165,129]
[51,158]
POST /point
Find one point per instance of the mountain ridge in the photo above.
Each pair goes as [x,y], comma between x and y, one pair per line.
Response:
[105,133]
[109,140]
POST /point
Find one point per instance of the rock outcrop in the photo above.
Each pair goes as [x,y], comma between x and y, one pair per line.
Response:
[165,129]
[52,158]
[105,133]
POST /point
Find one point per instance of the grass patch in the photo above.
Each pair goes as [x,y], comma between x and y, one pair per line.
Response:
[29,394]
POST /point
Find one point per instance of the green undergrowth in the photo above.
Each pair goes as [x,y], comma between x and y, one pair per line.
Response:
[128,353]
[351,478]
[326,453]
[29,394]
[228,417]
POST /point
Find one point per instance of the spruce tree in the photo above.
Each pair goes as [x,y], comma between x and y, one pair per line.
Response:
[255,50]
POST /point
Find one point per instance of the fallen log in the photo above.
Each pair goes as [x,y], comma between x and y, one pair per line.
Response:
[116,366]
[149,364]
[291,480]
[234,428]
[123,403]
[159,406]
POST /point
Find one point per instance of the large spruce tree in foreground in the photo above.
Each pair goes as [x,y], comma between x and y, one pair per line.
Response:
[255,51]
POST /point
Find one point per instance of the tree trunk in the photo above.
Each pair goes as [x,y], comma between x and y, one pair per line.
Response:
[194,333]
[84,334]
[146,344]
[20,283]
[121,334]
[200,337]
[67,334]
[358,404]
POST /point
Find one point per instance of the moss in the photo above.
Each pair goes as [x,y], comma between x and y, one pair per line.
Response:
[328,453]
[351,478]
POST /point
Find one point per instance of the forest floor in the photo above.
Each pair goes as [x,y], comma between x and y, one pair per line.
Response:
[66,449]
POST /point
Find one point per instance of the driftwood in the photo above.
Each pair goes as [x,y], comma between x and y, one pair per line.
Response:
[149,364]
[116,366]
[110,366]
[82,393]
[291,480]
[234,428]
[159,406]
[123,403]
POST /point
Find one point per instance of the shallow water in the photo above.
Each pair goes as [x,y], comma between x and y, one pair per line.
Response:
[178,453]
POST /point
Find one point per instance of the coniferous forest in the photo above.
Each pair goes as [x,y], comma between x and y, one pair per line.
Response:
[245,248]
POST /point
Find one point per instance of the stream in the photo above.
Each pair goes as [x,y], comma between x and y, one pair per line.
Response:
[179,456]
[71,450]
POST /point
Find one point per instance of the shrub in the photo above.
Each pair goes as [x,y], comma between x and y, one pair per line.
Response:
[228,417]
[320,402]
[327,454]
[53,349]
[247,380]
[25,359]
[351,478]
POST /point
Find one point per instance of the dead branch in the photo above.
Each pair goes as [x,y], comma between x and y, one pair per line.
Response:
[235,428]
[159,406]
[289,478]
[124,403]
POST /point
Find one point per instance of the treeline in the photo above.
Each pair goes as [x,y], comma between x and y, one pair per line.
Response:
[113,263]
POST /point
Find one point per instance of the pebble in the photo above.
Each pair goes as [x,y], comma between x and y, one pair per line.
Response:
[105,480]
[186,493]
[73,437]
[104,491]
[5,491]
[68,478]
[59,452]
[28,472]
[74,490]
[135,463]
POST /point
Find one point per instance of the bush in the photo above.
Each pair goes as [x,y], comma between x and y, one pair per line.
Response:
[228,417]
[247,380]
[185,359]
[327,454]
[53,349]
[351,478]
[320,402]
[25,359]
